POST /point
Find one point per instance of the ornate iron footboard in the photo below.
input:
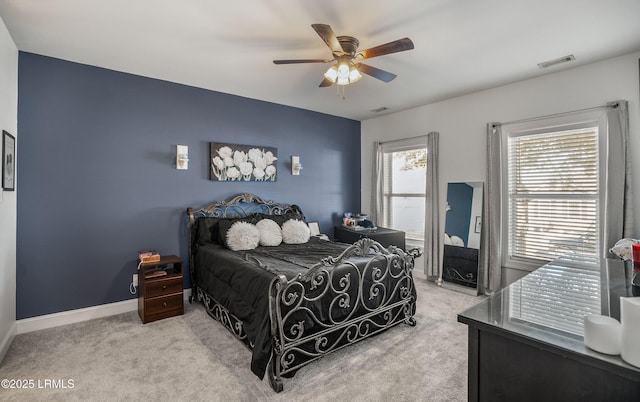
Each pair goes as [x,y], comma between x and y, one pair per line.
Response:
[362,299]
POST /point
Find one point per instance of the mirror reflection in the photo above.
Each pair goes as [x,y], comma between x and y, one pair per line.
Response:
[463,223]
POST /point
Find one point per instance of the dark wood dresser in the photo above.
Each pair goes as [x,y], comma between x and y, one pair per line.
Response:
[160,296]
[526,341]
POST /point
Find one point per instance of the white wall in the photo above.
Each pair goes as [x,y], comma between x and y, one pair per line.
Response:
[462,121]
[8,122]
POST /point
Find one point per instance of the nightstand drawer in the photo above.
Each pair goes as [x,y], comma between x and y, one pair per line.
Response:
[162,304]
[163,286]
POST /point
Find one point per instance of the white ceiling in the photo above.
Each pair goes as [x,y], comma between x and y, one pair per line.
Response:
[461,46]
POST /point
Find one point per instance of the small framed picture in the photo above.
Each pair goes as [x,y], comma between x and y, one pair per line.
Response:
[314,228]
[8,161]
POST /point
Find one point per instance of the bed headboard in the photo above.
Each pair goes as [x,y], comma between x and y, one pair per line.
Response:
[241,206]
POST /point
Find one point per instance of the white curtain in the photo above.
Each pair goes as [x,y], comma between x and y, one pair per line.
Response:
[617,198]
[432,265]
[618,219]
[377,184]
[490,262]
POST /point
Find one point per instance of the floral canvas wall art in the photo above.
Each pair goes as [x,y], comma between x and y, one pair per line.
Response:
[233,162]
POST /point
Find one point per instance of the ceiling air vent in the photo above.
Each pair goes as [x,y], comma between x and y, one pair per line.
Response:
[553,62]
[380,109]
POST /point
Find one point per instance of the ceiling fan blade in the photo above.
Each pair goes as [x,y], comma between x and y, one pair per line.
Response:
[399,45]
[327,35]
[376,72]
[297,61]
[325,83]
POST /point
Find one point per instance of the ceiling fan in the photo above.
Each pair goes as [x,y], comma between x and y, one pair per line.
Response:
[348,59]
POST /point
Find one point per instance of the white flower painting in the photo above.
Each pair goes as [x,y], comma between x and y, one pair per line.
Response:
[232,162]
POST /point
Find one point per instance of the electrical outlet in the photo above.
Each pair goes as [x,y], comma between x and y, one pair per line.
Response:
[135,280]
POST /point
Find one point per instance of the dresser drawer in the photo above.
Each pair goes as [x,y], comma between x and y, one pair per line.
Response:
[162,304]
[163,286]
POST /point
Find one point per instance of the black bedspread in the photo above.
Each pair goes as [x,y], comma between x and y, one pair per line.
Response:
[240,281]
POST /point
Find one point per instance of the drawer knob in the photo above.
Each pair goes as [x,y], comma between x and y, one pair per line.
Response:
[164,286]
[164,304]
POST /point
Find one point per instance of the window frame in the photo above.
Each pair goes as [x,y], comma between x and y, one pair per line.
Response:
[399,146]
[578,120]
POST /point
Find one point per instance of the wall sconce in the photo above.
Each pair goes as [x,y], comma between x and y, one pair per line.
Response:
[182,157]
[296,166]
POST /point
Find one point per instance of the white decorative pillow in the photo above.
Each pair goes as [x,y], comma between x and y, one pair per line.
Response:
[295,232]
[447,239]
[457,241]
[243,236]
[270,233]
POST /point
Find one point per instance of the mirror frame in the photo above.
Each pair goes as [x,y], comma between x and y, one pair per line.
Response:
[474,235]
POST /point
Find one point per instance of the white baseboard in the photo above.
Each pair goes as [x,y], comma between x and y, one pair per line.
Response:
[83,314]
[72,316]
[8,340]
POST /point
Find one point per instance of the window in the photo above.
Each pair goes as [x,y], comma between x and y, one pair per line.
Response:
[404,187]
[553,192]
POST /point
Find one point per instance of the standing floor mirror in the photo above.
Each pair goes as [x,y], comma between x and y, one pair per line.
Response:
[463,224]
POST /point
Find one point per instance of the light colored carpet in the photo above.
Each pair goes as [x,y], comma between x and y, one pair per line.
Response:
[194,358]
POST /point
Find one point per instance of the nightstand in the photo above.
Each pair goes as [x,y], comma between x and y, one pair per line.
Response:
[161,295]
[386,237]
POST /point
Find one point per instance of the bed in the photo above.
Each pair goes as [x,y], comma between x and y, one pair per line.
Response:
[294,303]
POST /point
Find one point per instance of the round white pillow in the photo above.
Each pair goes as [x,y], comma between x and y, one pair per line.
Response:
[457,241]
[295,232]
[270,233]
[243,236]
[447,239]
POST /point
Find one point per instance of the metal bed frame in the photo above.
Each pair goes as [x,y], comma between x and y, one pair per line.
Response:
[363,299]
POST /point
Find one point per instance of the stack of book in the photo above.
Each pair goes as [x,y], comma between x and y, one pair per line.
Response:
[148,256]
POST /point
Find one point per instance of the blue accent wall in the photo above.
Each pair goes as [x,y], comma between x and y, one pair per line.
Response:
[97,178]
[460,199]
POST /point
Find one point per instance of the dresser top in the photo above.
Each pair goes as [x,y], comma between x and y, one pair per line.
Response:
[549,304]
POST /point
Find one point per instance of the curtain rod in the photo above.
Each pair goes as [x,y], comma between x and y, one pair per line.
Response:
[402,139]
[612,105]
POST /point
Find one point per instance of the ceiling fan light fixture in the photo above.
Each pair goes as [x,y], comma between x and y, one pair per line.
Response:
[343,70]
[331,74]
[343,74]
[354,74]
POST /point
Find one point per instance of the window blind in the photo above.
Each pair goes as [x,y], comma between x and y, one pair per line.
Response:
[553,194]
